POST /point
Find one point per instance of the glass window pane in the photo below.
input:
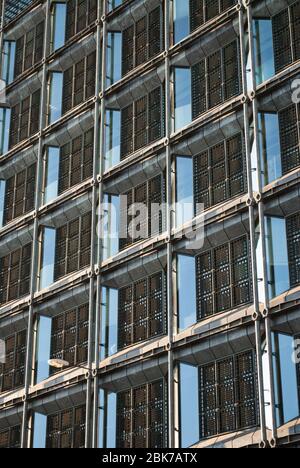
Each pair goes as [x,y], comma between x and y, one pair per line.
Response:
[186,285]
[277,258]
[109,322]
[2,195]
[270,147]
[39,431]
[183,97]
[43,348]
[111,215]
[4,129]
[55,98]
[59,25]
[184,190]
[189,405]
[114,58]
[52,173]
[181,20]
[289,385]
[112,138]
[48,258]
[264,50]
[111,420]
[8,61]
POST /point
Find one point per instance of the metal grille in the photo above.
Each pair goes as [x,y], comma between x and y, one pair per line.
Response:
[69,336]
[223,278]
[79,82]
[142,41]
[142,417]
[13,8]
[128,50]
[72,251]
[13,371]
[231,71]
[216,79]
[282,40]
[289,138]
[76,161]
[142,122]
[10,438]
[149,193]
[293,236]
[228,395]
[220,173]
[35,112]
[66,429]
[142,310]
[29,49]
[202,11]
[295,15]
[80,14]
[15,274]
[19,194]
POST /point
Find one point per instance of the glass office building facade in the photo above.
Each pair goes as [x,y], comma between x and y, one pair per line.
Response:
[191,105]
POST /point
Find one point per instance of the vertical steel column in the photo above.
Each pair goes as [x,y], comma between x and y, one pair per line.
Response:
[169,199]
[101,84]
[35,242]
[261,215]
[94,251]
[251,203]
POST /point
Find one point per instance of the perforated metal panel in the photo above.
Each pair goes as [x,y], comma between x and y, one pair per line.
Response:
[202,11]
[69,336]
[220,173]
[142,122]
[15,270]
[19,194]
[232,82]
[66,429]
[295,16]
[73,243]
[80,14]
[289,138]
[142,310]
[156,32]
[29,49]
[35,112]
[13,8]
[282,40]
[224,278]
[228,395]
[293,236]
[128,50]
[13,371]
[150,194]
[142,417]
[214,70]
[10,438]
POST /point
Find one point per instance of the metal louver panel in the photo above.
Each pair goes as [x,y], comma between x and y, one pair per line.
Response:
[199,99]
[142,417]
[85,241]
[15,271]
[93,4]
[211,9]
[293,237]
[228,395]
[69,336]
[141,42]
[90,75]
[282,40]
[223,278]
[126,131]
[214,70]
[231,70]
[155,32]
[71,18]
[127,50]
[12,373]
[295,15]
[155,114]
[19,58]
[82,9]
[29,48]
[289,138]
[196,14]
[10,438]
[24,119]
[140,123]
[67,90]
[35,112]
[39,42]
[220,172]
[142,311]
[66,429]
[79,83]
